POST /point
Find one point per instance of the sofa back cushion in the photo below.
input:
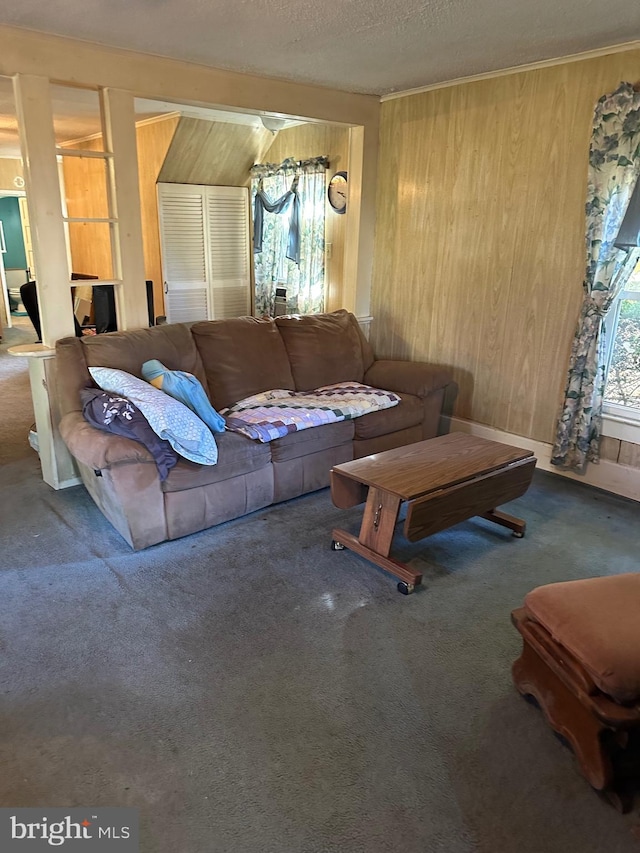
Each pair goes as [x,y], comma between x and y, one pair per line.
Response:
[172,344]
[323,348]
[242,356]
[71,376]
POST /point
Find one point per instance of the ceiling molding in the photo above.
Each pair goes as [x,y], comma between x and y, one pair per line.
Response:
[68,143]
[516,69]
[141,123]
[154,119]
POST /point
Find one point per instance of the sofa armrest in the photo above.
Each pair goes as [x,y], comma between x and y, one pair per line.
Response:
[98,449]
[408,377]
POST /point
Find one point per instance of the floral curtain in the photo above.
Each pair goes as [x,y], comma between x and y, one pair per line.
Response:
[289,203]
[296,188]
[614,167]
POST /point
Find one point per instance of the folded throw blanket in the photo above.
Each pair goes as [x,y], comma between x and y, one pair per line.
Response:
[274,414]
[115,414]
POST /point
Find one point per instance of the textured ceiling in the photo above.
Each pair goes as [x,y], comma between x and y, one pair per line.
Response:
[369,46]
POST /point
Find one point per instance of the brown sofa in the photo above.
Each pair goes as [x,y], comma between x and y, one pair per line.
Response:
[234,359]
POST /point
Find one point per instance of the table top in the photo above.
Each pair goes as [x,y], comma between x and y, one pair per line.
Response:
[33,350]
[424,467]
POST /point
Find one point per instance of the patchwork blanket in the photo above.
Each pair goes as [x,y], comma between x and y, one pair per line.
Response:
[274,414]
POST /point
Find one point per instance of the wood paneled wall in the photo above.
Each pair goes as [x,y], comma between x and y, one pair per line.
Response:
[153,140]
[623,452]
[85,192]
[85,187]
[480,234]
[313,140]
[10,168]
[214,153]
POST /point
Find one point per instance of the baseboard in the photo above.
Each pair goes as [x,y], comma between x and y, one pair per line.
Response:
[620,479]
[365,324]
[66,484]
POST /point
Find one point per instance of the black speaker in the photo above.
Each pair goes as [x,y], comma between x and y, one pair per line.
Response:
[150,306]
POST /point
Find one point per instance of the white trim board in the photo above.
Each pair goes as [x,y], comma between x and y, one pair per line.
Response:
[624,429]
[516,69]
[620,479]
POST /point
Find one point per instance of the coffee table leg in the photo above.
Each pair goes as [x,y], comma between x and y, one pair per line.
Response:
[517,525]
[376,533]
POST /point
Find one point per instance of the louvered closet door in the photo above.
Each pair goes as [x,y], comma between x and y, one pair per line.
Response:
[205,251]
[184,252]
[229,251]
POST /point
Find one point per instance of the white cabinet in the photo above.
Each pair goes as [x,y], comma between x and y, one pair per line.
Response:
[204,233]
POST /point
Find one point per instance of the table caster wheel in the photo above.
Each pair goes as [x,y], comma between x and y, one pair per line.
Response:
[518,534]
[337,546]
[406,588]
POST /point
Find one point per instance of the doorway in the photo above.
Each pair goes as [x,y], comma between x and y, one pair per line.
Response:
[16,255]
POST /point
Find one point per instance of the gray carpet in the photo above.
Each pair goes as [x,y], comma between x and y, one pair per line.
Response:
[249,690]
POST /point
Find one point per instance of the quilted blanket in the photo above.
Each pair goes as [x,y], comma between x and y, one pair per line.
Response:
[274,414]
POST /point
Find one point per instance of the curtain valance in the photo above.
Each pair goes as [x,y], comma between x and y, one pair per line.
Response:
[290,166]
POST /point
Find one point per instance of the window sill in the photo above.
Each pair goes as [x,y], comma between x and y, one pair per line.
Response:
[622,428]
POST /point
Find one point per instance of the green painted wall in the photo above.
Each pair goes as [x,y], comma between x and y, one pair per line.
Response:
[14,258]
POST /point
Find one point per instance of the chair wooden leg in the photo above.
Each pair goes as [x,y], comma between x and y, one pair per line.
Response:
[566,715]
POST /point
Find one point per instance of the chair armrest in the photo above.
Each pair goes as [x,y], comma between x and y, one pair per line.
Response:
[99,449]
[408,377]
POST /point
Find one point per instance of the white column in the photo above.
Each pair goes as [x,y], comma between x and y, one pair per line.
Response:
[351,286]
[58,467]
[128,253]
[37,141]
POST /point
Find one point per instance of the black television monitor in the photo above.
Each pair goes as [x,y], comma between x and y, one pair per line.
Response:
[104,307]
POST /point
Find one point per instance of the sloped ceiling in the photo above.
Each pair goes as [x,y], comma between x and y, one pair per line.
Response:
[213,152]
[369,46]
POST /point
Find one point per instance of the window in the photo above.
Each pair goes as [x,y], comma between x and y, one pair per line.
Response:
[622,390]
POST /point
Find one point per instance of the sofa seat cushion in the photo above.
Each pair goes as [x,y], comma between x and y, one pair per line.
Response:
[323,349]
[237,455]
[307,441]
[242,357]
[597,621]
[408,413]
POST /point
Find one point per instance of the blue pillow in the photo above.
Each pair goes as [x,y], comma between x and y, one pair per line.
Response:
[168,418]
[187,389]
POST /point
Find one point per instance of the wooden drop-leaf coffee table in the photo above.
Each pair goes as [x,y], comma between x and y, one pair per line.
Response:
[444,480]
